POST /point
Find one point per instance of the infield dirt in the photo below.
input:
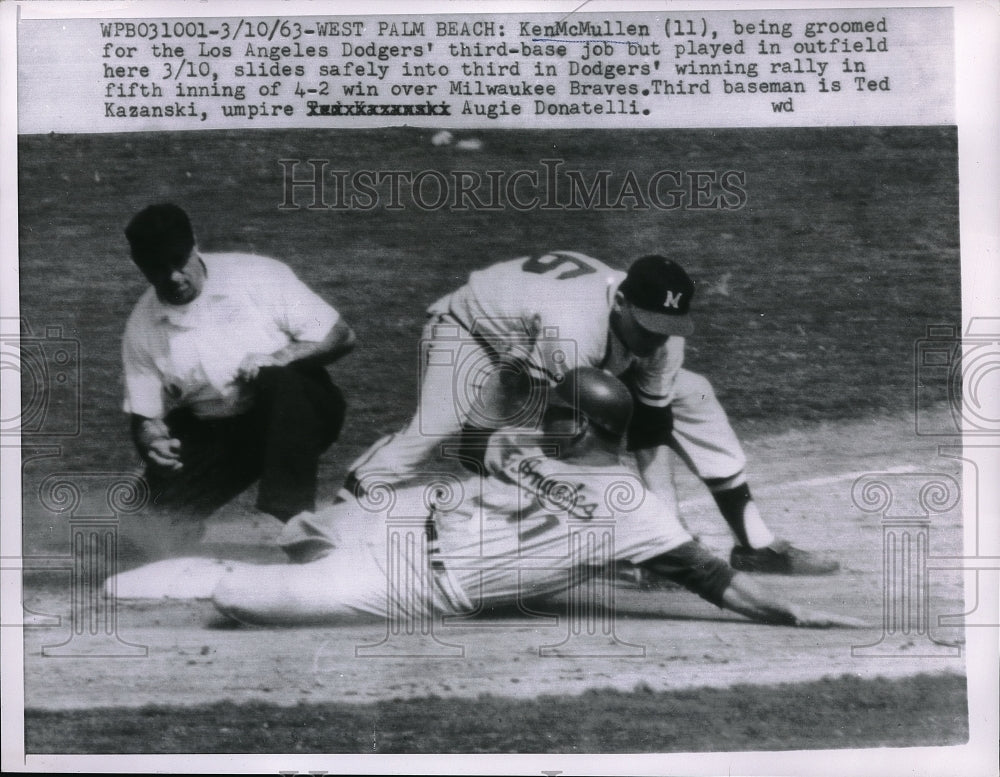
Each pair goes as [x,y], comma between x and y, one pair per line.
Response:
[666,639]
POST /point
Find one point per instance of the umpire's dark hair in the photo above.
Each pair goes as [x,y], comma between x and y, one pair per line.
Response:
[160,233]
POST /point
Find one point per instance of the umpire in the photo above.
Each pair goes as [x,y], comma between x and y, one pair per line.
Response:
[225,382]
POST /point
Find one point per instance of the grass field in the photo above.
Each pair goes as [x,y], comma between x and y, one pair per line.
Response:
[810,301]
[925,710]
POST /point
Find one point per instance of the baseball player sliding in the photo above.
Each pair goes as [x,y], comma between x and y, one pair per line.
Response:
[534,526]
[491,349]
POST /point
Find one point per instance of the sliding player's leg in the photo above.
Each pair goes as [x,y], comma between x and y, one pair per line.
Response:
[341,586]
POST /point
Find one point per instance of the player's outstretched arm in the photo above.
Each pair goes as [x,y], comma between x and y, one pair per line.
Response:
[747,597]
[694,567]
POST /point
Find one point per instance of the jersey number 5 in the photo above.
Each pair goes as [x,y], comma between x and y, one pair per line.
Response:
[549,262]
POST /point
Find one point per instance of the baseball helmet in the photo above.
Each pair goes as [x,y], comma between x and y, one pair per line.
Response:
[601,397]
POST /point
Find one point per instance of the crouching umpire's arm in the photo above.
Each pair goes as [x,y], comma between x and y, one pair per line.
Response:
[694,567]
[338,342]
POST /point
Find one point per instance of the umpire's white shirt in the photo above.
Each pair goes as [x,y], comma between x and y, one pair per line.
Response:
[187,355]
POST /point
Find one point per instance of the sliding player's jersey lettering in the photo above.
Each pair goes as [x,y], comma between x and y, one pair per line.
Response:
[552,311]
[537,523]
[534,526]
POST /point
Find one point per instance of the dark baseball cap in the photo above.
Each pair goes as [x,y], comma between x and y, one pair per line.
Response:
[660,293]
[160,233]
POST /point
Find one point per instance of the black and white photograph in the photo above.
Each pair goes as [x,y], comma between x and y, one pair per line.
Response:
[605,388]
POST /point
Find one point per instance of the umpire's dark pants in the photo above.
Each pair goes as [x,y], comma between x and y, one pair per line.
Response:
[297,413]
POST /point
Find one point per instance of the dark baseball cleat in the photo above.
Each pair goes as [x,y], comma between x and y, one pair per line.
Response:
[781,558]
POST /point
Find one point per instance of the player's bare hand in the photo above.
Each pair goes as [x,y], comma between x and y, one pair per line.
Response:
[165,453]
[817,619]
[251,365]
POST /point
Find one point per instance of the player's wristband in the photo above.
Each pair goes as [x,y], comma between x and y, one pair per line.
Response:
[693,566]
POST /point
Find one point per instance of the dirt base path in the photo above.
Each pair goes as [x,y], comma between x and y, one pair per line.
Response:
[663,639]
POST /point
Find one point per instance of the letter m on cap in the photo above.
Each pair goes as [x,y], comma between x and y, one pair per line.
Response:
[673,300]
